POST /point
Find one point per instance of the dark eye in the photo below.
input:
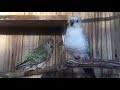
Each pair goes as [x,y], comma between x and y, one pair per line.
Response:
[77,21]
[48,42]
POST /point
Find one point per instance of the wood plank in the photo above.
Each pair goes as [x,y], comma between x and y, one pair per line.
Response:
[30,23]
[113,42]
[109,47]
[2,51]
[61,54]
[117,27]
[96,42]
[94,39]
[104,48]
[113,37]
[119,36]
[117,43]
[53,56]
[10,52]
[108,72]
[99,38]
[32,17]
[98,72]
[11,13]
[91,34]
[6,55]
[19,48]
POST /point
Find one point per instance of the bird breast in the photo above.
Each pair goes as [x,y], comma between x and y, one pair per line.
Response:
[75,41]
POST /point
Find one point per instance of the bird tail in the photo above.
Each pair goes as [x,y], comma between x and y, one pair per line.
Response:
[90,72]
[23,64]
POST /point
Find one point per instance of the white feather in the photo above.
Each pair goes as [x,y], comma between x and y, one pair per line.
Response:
[75,41]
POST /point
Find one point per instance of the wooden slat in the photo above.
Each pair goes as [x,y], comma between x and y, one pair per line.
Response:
[60,52]
[30,23]
[98,72]
[96,42]
[11,13]
[112,24]
[94,39]
[108,31]
[117,43]
[32,17]
[99,38]
[6,55]
[104,48]
[107,72]
[113,43]
[10,53]
[53,56]
[19,48]
[2,50]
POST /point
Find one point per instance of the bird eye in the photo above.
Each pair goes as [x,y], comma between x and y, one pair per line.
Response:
[77,21]
[48,42]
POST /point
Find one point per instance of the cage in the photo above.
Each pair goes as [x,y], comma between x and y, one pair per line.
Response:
[21,32]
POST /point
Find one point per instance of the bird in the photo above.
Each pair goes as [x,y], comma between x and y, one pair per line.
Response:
[76,43]
[38,57]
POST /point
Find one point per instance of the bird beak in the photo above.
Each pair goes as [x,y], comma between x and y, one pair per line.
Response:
[71,22]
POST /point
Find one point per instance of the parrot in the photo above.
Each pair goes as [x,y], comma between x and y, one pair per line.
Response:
[76,43]
[37,57]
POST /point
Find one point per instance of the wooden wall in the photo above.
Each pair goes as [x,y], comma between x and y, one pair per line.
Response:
[101,28]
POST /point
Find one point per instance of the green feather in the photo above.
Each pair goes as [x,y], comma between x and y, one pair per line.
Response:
[37,56]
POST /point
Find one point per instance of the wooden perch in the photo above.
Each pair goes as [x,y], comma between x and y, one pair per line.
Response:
[111,64]
[74,64]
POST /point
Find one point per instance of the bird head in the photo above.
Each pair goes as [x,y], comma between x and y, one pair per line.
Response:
[75,21]
[49,43]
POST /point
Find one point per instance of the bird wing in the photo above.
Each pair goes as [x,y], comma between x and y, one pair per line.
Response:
[34,57]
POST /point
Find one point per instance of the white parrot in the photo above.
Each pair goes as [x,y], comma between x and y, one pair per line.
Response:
[76,43]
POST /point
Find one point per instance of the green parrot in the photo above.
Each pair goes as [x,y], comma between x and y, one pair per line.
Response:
[37,57]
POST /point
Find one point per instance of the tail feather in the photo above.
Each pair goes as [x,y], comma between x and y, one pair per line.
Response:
[23,64]
[90,72]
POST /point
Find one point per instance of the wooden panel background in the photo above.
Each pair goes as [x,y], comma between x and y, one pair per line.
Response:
[101,28]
